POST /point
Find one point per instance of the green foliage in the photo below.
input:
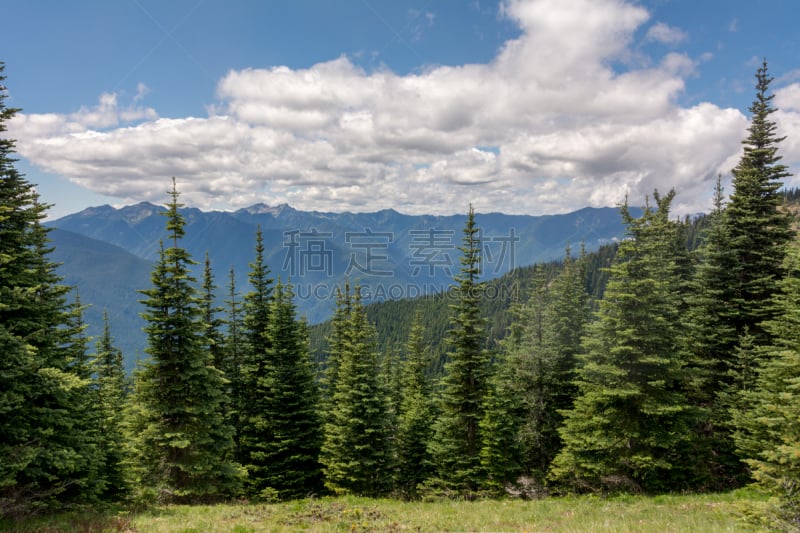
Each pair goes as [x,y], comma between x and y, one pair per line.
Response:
[415,415]
[740,263]
[182,444]
[542,350]
[630,420]
[768,420]
[456,444]
[291,455]
[48,449]
[111,389]
[257,306]
[355,454]
[213,341]
[501,452]
[759,229]
[255,432]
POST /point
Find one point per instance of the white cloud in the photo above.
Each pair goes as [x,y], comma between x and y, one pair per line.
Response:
[566,129]
[666,34]
[787,118]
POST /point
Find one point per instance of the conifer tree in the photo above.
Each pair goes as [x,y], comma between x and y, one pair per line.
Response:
[457,441]
[184,447]
[759,229]
[415,414]
[501,454]
[769,430]
[47,444]
[336,341]
[741,260]
[533,384]
[740,263]
[89,437]
[110,394]
[512,423]
[234,350]
[256,370]
[630,423]
[213,341]
[355,454]
[257,305]
[291,457]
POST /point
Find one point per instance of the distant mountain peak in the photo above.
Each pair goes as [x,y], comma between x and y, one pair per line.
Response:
[133,214]
[263,209]
[100,210]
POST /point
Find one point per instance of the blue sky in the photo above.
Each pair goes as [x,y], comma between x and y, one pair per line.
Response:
[521,106]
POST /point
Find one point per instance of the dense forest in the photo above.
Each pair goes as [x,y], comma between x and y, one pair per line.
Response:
[667,362]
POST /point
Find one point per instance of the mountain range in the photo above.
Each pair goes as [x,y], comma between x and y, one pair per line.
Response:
[108,252]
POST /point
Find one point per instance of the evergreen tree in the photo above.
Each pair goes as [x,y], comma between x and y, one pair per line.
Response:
[740,263]
[110,394]
[48,446]
[457,441]
[534,383]
[89,437]
[630,423]
[257,305]
[255,431]
[184,447]
[568,314]
[501,454]
[769,430]
[355,453]
[231,365]
[336,342]
[414,414]
[515,407]
[759,229]
[213,341]
[292,455]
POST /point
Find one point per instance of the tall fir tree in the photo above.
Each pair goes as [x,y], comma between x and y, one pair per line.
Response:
[233,354]
[336,341]
[629,427]
[110,395]
[48,445]
[740,262]
[355,455]
[184,446]
[456,444]
[292,455]
[256,370]
[213,339]
[257,304]
[758,226]
[415,414]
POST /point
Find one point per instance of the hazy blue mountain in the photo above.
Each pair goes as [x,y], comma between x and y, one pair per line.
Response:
[393,255]
[107,278]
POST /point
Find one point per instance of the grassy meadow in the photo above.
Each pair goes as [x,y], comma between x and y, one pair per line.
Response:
[674,513]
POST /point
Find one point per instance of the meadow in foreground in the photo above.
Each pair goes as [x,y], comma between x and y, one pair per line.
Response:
[706,513]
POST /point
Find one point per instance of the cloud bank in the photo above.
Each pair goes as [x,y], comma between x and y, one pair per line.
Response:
[549,125]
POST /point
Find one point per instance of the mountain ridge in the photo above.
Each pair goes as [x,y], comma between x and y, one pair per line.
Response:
[393,255]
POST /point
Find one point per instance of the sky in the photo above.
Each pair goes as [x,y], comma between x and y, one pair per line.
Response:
[424,106]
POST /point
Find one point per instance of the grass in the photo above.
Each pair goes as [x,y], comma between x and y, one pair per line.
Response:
[693,513]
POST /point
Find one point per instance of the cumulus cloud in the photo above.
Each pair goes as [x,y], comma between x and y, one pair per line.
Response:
[666,34]
[547,126]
